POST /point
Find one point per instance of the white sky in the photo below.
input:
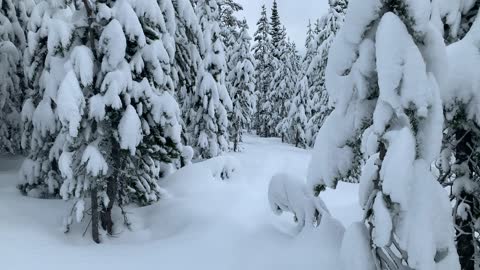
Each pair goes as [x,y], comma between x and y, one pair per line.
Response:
[294,14]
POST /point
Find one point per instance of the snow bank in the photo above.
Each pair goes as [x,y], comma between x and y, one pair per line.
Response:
[216,224]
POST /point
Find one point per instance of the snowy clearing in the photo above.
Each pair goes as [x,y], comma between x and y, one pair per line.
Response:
[204,222]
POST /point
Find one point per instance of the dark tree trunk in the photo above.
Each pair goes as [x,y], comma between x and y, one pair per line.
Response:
[112,191]
[94,189]
[465,228]
[465,237]
[235,144]
[95,221]
[297,139]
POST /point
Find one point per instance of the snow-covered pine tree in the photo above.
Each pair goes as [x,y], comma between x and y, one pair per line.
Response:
[119,145]
[50,36]
[229,23]
[328,25]
[318,26]
[188,39]
[262,51]
[207,122]
[242,80]
[459,164]
[287,67]
[283,68]
[384,72]
[277,31]
[12,43]
[229,29]
[297,116]
[310,48]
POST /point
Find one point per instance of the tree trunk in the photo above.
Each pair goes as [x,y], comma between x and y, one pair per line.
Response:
[235,144]
[297,139]
[94,190]
[94,199]
[112,190]
[465,228]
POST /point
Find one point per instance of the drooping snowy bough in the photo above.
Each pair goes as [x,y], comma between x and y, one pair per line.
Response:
[383,76]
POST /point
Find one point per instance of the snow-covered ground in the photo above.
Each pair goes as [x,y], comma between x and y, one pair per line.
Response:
[204,223]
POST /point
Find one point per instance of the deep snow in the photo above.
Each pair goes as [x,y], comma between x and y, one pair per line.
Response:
[204,222]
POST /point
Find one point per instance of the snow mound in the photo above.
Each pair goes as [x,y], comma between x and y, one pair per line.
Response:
[223,167]
[202,176]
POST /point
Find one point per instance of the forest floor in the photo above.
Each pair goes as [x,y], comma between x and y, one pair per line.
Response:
[204,222]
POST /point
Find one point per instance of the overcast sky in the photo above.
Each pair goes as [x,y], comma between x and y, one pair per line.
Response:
[294,14]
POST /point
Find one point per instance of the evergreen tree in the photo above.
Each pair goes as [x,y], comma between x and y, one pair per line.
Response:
[188,39]
[328,26]
[262,50]
[459,161]
[50,37]
[277,32]
[207,120]
[383,76]
[229,23]
[230,30]
[297,116]
[242,80]
[119,120]
[310,48]
[283,88]
[12,43]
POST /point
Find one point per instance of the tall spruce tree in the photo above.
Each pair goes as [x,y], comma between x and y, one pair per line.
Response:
[277,32]
[12,43]
[242,80]
[283,88]
[229,23]
[230,30]
[188,39]
[207,120]
[297,116]
[310,48]
[384,73]
[262,51]
[50,37]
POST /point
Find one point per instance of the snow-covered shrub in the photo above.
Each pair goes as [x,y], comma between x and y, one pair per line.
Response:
[287,193]
[222,167]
